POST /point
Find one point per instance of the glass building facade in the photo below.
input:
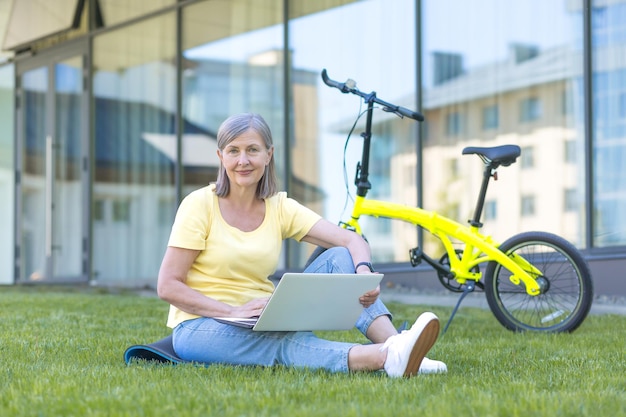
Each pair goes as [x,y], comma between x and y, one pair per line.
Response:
[110,112]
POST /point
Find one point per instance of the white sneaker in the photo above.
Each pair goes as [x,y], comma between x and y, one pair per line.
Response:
[430,366]
[405,351]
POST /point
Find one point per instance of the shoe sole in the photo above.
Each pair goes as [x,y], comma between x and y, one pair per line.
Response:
[422,345]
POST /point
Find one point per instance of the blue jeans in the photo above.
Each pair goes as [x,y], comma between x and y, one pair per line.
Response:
[206,341]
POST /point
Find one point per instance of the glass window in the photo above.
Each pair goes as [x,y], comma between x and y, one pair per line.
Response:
[571,199]
[454,124]
[134,86]
[567,103]
[570,151]
[528,206]
[525,62]
[621,110]
[350,42]
[527,157]
[121,211]
[67,201]
[99,207]
[609,136]
[530,109]
[233,63]
[7,169]
[167,211]
[491,210]
[490,117]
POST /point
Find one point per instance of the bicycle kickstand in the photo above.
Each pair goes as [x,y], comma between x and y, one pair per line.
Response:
[469,287]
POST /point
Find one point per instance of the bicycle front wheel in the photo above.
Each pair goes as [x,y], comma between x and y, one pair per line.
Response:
[565,282]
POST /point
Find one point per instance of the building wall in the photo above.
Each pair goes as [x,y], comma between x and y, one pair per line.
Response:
[233,58]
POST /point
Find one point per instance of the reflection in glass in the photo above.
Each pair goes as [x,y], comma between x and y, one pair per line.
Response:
[67,186]
[7,166]
[353,44]
[135,149]
[517,79]
[609,144]
[237,65]
[51,222]
[233,62]
[33,181]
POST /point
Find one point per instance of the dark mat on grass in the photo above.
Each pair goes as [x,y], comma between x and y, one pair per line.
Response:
[159,351]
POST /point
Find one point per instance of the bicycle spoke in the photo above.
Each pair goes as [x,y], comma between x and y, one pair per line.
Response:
[564,300]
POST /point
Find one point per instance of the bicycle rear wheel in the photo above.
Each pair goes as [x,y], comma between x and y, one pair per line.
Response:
[566,285]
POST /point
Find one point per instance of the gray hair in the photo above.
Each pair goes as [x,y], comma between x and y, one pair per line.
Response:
[231,129]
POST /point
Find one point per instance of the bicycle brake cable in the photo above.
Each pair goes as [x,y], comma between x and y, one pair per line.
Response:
[345,151]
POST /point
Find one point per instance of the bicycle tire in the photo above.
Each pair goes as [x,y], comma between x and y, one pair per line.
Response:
[567,286]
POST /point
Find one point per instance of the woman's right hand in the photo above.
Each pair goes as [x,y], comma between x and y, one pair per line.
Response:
[252,308]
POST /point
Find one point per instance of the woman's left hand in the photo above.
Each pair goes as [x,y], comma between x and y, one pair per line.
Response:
[369,297]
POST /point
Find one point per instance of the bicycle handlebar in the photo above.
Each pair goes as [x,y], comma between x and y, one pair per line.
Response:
[350,87]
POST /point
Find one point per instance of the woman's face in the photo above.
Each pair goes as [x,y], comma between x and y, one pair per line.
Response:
[245,159]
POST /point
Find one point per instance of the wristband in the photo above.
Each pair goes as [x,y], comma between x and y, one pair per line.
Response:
[367,264]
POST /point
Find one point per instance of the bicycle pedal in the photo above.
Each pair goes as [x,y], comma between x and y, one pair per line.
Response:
[415,256]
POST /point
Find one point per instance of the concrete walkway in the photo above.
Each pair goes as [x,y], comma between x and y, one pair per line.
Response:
[602,305]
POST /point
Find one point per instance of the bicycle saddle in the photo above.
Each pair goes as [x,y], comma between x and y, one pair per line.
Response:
[503,155]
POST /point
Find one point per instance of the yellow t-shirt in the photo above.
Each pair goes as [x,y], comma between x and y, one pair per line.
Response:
[234,266]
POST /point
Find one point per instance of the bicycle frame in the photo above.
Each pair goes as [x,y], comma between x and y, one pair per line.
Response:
[478,248]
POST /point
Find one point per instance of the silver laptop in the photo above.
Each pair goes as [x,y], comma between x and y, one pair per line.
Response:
[308,301]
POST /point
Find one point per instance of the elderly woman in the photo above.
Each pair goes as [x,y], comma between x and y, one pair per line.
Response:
[225,243]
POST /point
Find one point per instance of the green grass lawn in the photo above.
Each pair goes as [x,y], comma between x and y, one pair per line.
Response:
[61,354]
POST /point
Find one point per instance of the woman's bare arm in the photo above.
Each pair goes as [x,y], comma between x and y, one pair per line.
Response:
[172,287]
[327,235]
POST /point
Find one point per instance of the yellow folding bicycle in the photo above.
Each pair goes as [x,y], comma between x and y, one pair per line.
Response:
[534,281]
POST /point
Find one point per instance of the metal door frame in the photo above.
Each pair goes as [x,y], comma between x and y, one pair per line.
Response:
[79,48]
